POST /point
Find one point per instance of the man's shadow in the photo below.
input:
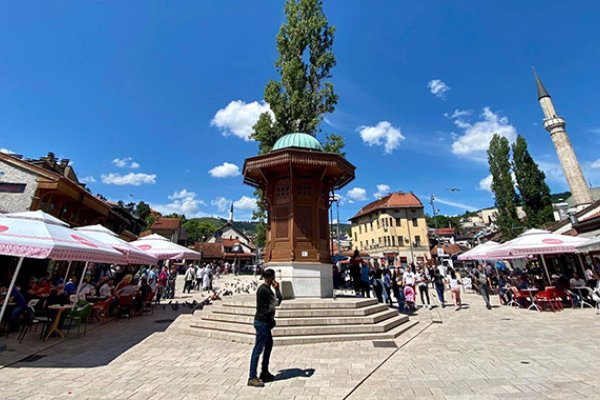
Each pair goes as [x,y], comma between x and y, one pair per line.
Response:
[290,373]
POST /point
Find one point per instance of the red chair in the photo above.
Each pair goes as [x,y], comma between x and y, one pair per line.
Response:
[547,297]
[101,310]
[518,298]
[148,306]
[126,305]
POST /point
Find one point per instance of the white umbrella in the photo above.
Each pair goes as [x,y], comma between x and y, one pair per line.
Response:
[106,236]
[537,241]
[163,249]
[479,252]
[591,245]
[36,234]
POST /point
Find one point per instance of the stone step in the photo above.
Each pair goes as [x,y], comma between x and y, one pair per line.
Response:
[216,315]
[318,330]
[306,304]
[295,340]
[303,313]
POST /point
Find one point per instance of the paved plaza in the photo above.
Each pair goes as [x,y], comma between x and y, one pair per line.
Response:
[468,354]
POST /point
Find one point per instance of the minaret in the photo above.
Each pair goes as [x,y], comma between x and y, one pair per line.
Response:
[555,125]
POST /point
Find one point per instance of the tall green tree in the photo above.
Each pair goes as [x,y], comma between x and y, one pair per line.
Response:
[503,186]
[304,94]
[531,181]
[198,229]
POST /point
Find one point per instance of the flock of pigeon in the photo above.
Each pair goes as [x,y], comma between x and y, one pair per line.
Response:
[229,288]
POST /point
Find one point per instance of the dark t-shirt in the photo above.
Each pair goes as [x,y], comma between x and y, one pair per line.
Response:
[266,302]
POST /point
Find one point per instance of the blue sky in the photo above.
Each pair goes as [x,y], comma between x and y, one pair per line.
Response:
[147,98]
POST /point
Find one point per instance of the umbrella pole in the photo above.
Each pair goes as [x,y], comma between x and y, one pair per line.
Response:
[10,288]
[546,268]
[67,273]
[582,265]
[80,283]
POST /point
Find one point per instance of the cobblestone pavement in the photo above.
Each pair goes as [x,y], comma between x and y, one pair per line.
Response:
[470,354]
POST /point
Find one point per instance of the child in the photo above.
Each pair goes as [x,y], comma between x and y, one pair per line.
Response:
[409,298]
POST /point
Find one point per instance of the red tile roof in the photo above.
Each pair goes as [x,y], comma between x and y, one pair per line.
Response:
[166,224]
[392,200]
[450,249]
[445,231]
[210,250]
[230,242]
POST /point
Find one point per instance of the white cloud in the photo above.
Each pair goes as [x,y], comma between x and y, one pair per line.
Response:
[382,190]
[382,134]
[238,118]
[245,203]
[595,164]
[455,204]
[225,170]
[126,162]
[221,203]
[459,114]
[182,202]
[129,179]
[357,194]
[88,179]
[6,151]
[476,137]
[438,88]
[486,183]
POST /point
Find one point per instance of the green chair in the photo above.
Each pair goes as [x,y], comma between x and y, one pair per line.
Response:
[81,316]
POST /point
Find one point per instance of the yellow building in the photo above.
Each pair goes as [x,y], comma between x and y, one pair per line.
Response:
[392,227]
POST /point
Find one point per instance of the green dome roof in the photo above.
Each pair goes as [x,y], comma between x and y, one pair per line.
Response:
[301,140]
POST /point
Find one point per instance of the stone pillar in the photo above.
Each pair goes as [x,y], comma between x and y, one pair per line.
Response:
[568,160]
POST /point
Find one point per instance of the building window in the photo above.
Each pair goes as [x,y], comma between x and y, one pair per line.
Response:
[371,226]
[359,229]
[393,241]
[372,242]
[355,237]
[379,241]
[400,241]
[415,222]
[417,240]
[398,222]
[377,224]
[390,221]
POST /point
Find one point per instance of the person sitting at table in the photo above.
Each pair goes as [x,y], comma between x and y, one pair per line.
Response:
[20,307]
[576,281]
[87,289]
[523,284]
[43,288]
[106,290]
[31,291]
[58,296]
[142,293]
[504,289]
[71,286]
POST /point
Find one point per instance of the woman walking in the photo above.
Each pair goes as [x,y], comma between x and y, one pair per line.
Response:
[422,279]
[455,289]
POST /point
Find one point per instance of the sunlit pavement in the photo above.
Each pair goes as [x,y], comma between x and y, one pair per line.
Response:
[473,353]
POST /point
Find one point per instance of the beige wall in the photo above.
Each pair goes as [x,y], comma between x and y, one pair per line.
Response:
[378,232]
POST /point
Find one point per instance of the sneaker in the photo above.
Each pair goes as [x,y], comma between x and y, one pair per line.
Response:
[267,377]
[489,307]
[255,382]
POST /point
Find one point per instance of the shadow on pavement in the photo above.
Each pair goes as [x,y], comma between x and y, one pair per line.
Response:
[291,373]
[99,347]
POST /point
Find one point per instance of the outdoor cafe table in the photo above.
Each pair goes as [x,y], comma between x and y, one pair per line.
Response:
[531,293]
[59,308]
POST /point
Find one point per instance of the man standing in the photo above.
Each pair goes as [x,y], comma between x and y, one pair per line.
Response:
[484,286]
[264,322]
[190,277]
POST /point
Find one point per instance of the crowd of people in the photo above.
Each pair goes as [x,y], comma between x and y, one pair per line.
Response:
[384,281]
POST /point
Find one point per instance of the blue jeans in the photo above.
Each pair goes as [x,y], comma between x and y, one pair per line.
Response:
[264,341]
[440,292]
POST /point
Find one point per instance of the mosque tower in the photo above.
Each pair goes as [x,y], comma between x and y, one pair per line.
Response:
[555,125]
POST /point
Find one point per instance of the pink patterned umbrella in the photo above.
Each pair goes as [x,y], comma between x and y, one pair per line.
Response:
[163,249]
[536,241]
[36,234]
[106,236]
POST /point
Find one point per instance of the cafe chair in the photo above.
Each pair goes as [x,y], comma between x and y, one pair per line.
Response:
[148,306]
[518,299]
[584,295]
[30,320]
[101,310]
[81,316]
